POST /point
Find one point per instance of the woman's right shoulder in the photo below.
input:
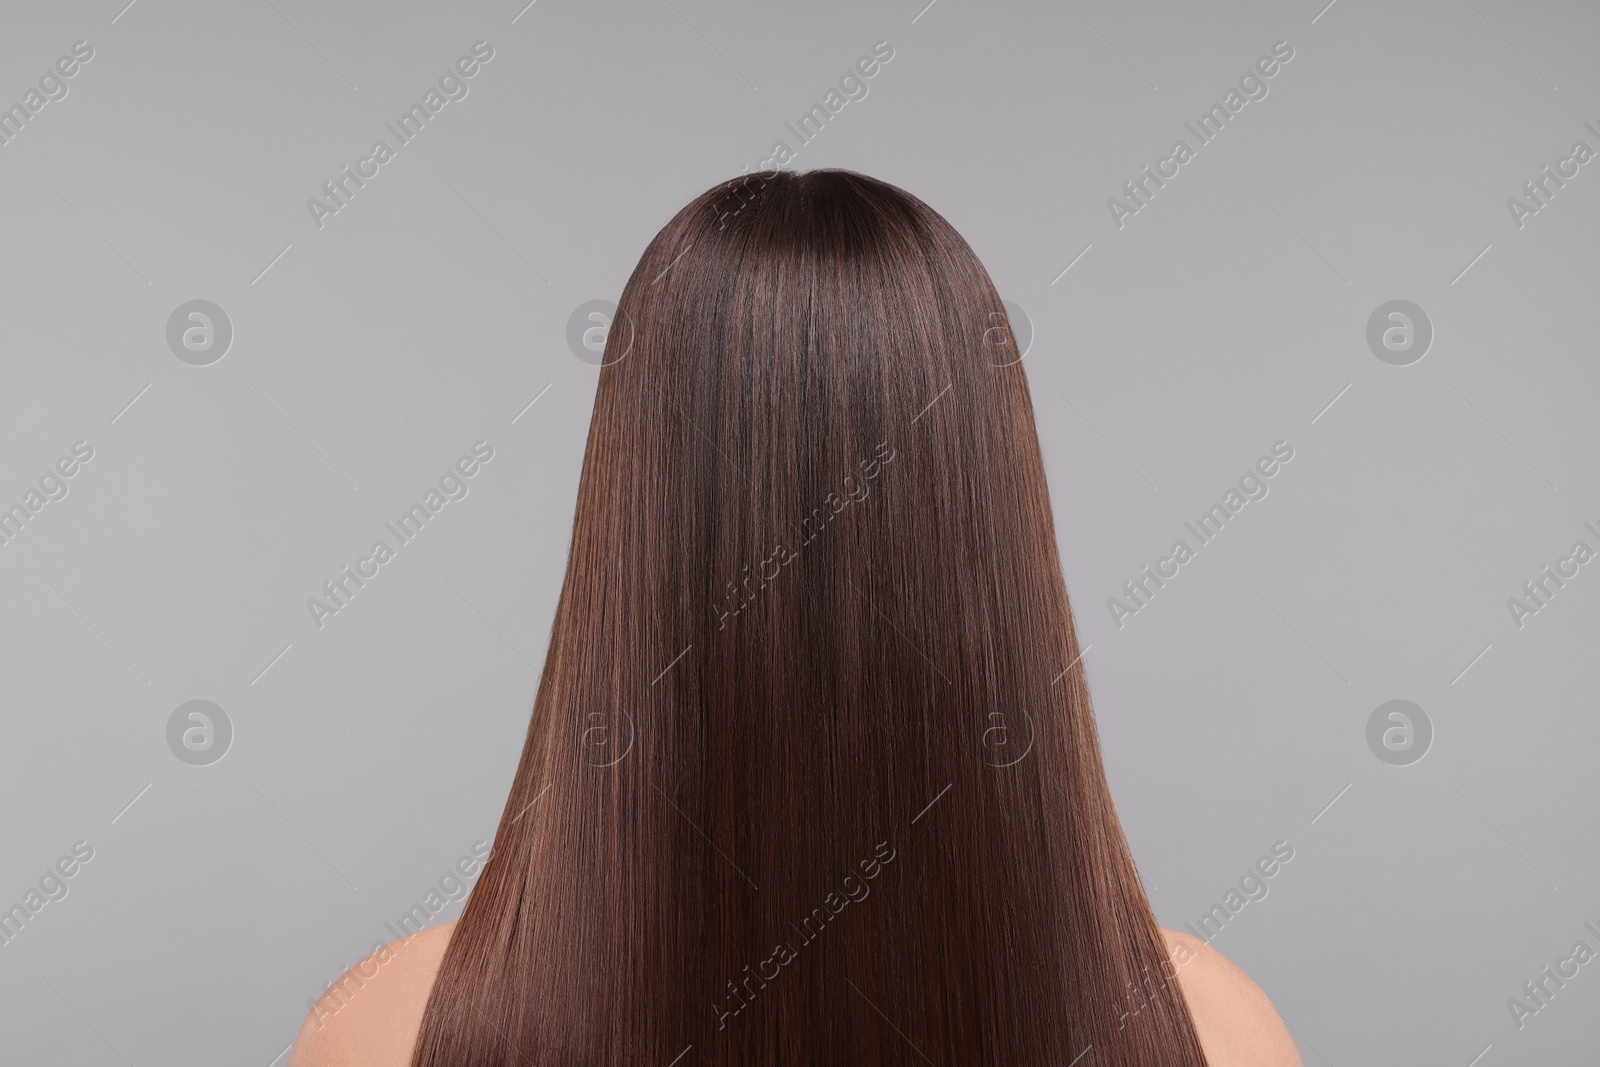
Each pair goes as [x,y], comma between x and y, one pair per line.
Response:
[1237,1024]
[370,1016]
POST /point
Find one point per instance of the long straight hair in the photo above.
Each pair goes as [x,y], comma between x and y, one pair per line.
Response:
[812,775]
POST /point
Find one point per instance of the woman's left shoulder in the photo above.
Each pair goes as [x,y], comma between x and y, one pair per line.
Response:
[370,1017]
[1238,1025]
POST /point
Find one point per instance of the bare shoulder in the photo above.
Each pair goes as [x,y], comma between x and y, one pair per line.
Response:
[1238,1025]
[370,1016]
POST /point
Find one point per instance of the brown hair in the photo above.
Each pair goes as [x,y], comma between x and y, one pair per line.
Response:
[812,775]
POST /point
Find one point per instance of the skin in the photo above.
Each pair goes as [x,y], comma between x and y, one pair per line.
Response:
[373,1022]
[1238,1025]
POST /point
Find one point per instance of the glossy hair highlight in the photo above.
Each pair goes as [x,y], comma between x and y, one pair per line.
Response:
[811,776]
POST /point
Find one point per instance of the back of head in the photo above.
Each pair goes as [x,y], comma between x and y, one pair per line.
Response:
[804,781]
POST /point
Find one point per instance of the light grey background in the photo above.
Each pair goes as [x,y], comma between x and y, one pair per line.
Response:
[367,355]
